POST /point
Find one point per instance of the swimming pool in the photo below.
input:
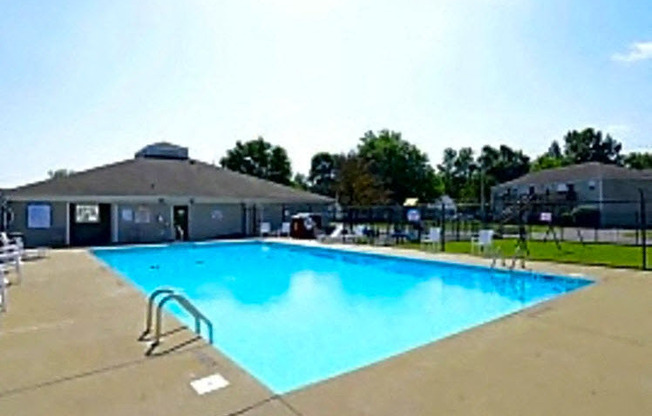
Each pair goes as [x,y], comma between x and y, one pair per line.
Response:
[293,315]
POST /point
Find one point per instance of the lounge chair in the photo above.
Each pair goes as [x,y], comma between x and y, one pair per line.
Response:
[433,238]
[357,235]
[265,229]
[483,241]
[25,254]
[382,238]
[285,229]
[336,234]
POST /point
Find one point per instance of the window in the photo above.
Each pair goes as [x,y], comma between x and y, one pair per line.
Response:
[39,216]
[592,185]
[87,214]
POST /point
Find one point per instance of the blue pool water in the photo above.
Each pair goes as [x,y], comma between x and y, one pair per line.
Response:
[294,315]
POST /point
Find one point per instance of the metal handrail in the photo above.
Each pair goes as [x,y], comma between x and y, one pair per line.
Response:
[497,254]
[150,306]
[518,254]
[171,295]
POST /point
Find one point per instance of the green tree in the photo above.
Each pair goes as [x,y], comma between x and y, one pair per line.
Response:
[324,169]
[545,161]
[590,145]
[280,168]
[502,164]
[554,151]
[458,172]
[261,159]
[447,171]
[402,169]
[553,158]
[356,184]
[636,160]
[300,182]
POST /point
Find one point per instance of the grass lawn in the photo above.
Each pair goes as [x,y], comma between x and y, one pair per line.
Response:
[571,252]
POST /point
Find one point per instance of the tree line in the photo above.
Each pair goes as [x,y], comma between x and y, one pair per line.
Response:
[384,168]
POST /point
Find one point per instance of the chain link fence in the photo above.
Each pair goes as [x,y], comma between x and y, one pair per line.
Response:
[620,230]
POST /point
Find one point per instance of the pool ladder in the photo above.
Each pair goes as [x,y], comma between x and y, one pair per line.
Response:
[498,255]
[169,295]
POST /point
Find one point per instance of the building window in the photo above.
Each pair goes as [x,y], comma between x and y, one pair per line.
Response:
[592,185]
[87,214]
[39,216]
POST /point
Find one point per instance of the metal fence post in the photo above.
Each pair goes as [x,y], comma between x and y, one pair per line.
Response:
[643,229]
[637,228]
[443,227]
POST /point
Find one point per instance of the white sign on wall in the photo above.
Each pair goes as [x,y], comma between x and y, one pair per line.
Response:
[143,216]
[545,217]
[413,215]
[127,215]
[39,216]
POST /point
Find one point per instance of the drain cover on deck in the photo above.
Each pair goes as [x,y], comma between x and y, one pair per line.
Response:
[209,384]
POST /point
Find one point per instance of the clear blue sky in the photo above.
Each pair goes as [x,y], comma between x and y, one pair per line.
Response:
[87,83]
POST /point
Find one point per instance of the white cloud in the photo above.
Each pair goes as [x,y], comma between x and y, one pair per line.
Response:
[639,51]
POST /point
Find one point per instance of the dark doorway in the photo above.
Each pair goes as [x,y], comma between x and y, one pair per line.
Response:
[90,224]
[180,222]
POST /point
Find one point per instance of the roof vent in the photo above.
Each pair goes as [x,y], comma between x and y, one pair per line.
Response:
[163,150]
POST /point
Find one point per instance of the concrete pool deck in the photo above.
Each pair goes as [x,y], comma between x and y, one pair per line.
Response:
[68,345]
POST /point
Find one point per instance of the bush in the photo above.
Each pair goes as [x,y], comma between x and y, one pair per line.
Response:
[586,216]
[566,219]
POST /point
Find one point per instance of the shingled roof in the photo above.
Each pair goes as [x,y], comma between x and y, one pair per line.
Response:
[156,177]
[581,172]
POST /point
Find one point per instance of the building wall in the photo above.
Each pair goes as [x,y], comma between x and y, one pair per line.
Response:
[55,236]
[624,211]
[209,221]
[206,221]
[620,206]
[134,228]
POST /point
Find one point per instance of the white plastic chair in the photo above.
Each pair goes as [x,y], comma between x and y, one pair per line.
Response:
[265,229]
[285,229]
[483,241]
[10,256]
[433,237]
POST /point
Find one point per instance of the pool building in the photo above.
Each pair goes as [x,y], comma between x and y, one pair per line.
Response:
[160,195]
